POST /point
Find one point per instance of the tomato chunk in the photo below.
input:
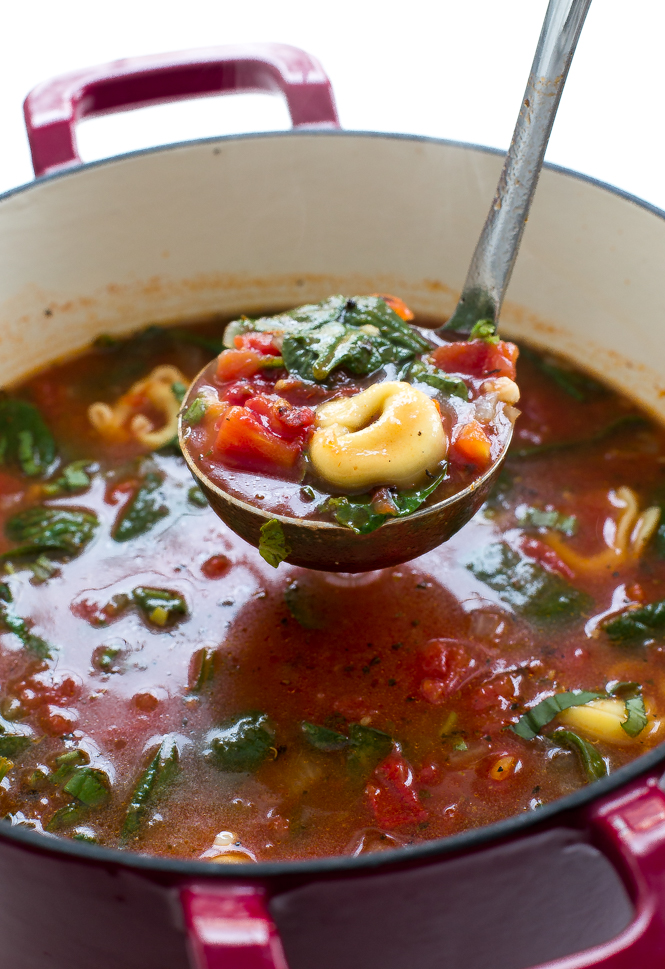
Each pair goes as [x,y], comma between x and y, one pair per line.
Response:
[267,435]
[471,445]
[477,358]
[235,364]
[391,793]
[263,342]
[449,665]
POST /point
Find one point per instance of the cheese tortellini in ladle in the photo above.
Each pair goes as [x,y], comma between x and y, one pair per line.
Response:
[389,434]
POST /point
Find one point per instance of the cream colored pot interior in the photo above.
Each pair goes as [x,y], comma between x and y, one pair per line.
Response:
[243,224]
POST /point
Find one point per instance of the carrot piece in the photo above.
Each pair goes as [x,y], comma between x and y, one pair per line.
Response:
[471,446]
[397,305]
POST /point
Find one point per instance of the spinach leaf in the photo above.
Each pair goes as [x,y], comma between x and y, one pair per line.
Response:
[314,355]
[637,626]
[161,771]
[25,440]
[196,410]
[592,763]
[420,372]
[368,748]
[73,477]
[67,764]
[14,624]
[357,513]
[90,785]
[42,529]
[272,544]
[620,424]
[374,311]
[540,518]
[533,592]
[241,744]
[14,738]
[196,497]
[5,767]
[531,723]
[636,714]
[322,738]
[484,330]
[161,607]
[202,668]
[301,604]
[142,513]
[66,816]
[179,390]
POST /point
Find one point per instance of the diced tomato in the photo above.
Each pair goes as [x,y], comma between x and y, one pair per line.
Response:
[216,567]
[267,435]
[449,665]
[541,552]
[263,342]
[235,364]
[281,417]
[471,445]
[391,793]
[397,305]
[477,358]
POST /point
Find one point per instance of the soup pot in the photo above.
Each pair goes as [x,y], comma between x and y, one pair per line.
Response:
[238,224]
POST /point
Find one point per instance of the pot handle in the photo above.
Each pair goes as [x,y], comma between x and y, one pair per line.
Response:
[229,927]
[629,828]
[52,108]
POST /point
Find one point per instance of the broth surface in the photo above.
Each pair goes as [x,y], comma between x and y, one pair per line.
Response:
[302,714]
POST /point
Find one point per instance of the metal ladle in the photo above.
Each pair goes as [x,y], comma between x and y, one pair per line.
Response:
[333,548]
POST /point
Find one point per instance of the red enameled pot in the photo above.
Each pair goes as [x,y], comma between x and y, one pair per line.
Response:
[264,220]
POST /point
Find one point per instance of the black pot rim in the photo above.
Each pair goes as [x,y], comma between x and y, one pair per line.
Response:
[336,865]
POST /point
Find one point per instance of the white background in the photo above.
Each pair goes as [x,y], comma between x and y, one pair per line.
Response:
[447,68]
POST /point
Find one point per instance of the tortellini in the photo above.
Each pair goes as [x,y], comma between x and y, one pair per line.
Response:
[389,434]
[125,420]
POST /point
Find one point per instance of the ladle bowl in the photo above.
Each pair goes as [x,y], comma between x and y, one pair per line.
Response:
[334,548]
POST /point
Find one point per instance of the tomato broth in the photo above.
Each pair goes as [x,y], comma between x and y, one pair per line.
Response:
[165,690]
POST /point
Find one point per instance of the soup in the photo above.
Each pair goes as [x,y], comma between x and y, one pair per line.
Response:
[165,690]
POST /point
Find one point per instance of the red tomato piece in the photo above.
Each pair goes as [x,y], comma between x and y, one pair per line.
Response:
[263,342]
[449,665]
[477,358]
[281,417]
[235,364]
[471,445]
[244,441]
[216,567]
[391,793]
[541,552]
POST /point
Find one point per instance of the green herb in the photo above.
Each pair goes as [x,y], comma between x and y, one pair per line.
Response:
[90,785]
[66,816]
[42,569]
[5,767]
[196,410]
[14,738]
[239,745]
[420,372]
[68,763]
[322,738]
[368,748]
[460,745]
[533,592]
[540,518]
[179,391]
[25,440]
[196,497]
[592,763]
[636,714]
[302,605]
[73,477]
[41,529]
[637,626]
[202,668]
[532,722]
[20,628]
[160,772]
[621,423]
[160,607]
[484,330]
[356,513]
[272,544]
[142,513]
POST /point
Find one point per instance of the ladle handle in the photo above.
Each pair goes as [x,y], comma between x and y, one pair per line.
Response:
[52,108]
[497,248]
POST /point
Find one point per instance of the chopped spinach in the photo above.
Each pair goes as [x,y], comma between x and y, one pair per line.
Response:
[20,628]
[179,390]
[241,744]
[5,767]
[636,714]
[62,530]
[202,668]
[531,590]
[161,771]
[14,738]
[161,607]
[368,747]
[301,604]
[272,544]
[322,738]
[25,440]
[484,330]
[540,518]
[592,763]
[145,509]
[532,722]
[357,512]
[90,785]
[196,410]
[637,626]
[196,497]
[420,372]
[73,477]
[67,764]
